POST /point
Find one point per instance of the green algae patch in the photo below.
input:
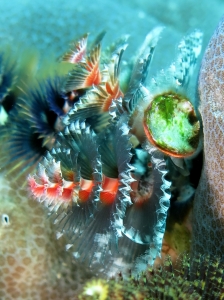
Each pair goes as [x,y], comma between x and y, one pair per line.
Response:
[171,124]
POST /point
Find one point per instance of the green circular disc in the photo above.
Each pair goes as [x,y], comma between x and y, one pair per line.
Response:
[170,123]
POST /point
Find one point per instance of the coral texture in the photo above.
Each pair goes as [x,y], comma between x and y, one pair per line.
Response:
[33,263]
[208,222]
[197,278]
[104,185]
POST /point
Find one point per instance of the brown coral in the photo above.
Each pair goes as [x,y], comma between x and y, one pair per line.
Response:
[208,222]
[33,263]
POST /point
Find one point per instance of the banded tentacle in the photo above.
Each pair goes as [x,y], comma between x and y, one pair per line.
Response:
[148,223]
[83,201]
[110,190]
[73,170]
[95,104]
[100,166]
[139,71]
[85,72]
[77,52]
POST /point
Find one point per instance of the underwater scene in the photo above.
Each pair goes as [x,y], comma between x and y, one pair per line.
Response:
[111,150]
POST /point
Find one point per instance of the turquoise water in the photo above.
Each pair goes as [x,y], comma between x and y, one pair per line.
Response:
[50,26]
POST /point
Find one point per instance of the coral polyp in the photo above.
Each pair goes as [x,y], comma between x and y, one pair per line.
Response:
[97,289]
[198,278]
[171,125]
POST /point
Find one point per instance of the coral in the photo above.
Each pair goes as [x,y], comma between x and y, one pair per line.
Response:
[33,263]
[104,184]
[197,278]
[208,221]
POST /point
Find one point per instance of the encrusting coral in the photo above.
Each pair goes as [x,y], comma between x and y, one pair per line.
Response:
[33,263]
[108,178]
[201,277]
[208,222]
